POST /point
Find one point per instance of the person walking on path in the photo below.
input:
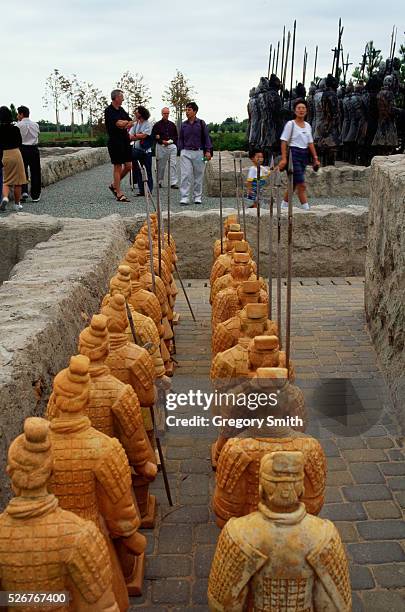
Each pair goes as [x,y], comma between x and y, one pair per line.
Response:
[165,134]
[141,134]
[195,147]
[30,153]
[297,137]
[13,170]
[117,123]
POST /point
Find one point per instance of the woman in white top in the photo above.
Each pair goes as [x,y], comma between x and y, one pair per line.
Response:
[298,135]
[140,133]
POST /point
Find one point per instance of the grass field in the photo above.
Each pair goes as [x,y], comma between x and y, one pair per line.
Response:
[48,137]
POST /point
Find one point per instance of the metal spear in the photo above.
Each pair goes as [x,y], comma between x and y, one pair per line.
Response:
[268,69]
[258,221]
[147,196]
[289,263]
[243,199]
[220,203]
[315,62]
[235,174]
[277,183]
[158,211]
[292,62]
[271,207]
[278,51]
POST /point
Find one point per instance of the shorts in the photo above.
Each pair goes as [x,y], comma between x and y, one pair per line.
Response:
[120,151]
[300,162]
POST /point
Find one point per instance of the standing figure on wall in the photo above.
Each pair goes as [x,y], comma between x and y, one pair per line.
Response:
[318,112]
[370,94]
[311,106]
[270,107]
[254,118]
[347,146]
[329,139]
[386,137]
[279,557]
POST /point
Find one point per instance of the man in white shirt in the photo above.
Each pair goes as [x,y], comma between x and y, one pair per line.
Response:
[30,153]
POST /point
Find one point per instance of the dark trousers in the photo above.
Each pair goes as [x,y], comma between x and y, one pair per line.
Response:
[145,159]
[30,155]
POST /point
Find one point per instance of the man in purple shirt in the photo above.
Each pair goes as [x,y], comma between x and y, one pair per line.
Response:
[195,147]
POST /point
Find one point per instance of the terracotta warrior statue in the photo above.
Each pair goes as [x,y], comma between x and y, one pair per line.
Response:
[170,246]
[230,220]
[222,265]
[237,484]
[91,476]
[242,269]
[146,333]
[145,278]
[165,252]
[132,365]
[42,547]
[141,246]
[243,359]
[229,301]
[279,557]
[249,322]
[290,397]
[147,303]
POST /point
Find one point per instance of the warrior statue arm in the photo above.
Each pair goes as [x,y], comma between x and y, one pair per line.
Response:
[89,573]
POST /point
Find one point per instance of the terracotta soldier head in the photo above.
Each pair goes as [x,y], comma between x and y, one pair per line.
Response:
[264,352]
[241,267]
[249,292]
[121,282]
[116,313]
[131,260]
[94,340]
[253,319]
[71,386]
[30,461]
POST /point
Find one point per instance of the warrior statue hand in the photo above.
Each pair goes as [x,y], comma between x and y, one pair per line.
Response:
[136,543]
[148,470]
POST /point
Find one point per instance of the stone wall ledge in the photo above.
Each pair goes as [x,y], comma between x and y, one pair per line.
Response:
[57,167]
[48,299]
[327,182]
[328,240]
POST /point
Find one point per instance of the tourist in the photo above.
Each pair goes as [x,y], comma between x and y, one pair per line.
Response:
[141,134]
[13,165]
[165,135]
[256,156]
[195,148]
[30,153]
[117,123]
[297,137]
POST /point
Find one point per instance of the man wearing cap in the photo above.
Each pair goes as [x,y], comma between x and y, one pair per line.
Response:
[164,132]
[280,557]
[195,148]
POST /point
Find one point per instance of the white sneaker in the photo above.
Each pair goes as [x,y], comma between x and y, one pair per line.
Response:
[305,206]
[3,204]
[184,202]
[24,196]
[37,199]
[18,207]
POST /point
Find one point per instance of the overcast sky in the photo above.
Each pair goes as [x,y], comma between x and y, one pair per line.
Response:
[220,45]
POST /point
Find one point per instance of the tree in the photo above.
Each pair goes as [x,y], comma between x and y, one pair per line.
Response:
[136,91]
[95,104]
[80,99]
[178,93]
[69,87]
[13,112]
[54,93]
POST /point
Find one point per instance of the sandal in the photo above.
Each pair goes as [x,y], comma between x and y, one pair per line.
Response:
[112,189]
[122,198]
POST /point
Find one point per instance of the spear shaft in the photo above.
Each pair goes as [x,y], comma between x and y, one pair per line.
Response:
[292,62]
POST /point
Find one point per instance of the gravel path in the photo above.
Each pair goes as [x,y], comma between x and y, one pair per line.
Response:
[86,195]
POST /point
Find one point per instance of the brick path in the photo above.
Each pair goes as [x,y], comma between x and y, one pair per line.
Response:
[366,479]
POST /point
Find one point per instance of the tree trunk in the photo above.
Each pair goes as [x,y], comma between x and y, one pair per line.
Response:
[57,117]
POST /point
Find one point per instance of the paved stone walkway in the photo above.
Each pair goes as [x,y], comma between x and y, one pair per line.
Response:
[86,195]
[366,479]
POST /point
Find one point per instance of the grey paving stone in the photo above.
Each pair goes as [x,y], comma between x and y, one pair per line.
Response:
[207,534]
[348,531]
[168,566]
[202,561]
[361,578]
[357,604]
[171,592]
[367,553]
[400,498]
[344,512]
[366,473]
[396,468]
[383,601]
[396,483]
[187,514]
[382,509]
[395,454]
[383,442]
[199,591]
[336,464]
[175,539]
[196,466]
[387,529]
[366,454]
[332,495]
[369,492]
[350,443]
[178,452]
[330,448]
[390,576]
[339,478]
